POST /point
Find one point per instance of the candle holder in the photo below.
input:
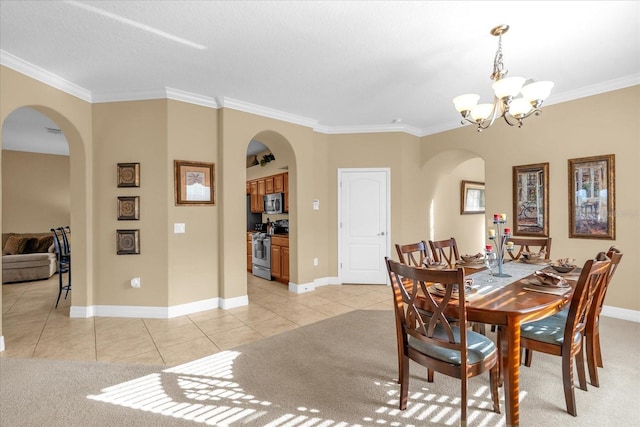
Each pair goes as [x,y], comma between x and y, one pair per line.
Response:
[500,238]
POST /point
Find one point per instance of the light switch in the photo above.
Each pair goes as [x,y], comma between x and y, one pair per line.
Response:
[316,204]
[178,228]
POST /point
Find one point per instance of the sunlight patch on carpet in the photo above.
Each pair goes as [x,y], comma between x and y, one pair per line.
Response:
[205,391]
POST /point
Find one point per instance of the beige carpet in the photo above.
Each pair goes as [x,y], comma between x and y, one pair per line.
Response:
[338,372]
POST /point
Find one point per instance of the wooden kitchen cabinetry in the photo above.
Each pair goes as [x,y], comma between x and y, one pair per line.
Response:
[249,252]
[280,258]
[267,185]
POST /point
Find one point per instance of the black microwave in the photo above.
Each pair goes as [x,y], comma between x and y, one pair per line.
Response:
[274,203]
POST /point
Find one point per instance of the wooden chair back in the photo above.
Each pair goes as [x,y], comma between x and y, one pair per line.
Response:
[422,338]
[535,335]
[537,245]
[413,253]
[445,251]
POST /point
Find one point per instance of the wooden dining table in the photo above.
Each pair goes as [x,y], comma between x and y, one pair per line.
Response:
[507,304]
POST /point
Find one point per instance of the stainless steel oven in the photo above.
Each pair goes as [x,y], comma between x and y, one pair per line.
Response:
[261,255]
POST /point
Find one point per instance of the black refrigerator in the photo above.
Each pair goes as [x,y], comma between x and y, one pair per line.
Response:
[252,218]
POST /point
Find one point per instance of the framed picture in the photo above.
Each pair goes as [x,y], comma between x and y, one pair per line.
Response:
[592,197]
[531,200]
[128,174]
[128,242]
[194,183]
[471,197]
[128,208]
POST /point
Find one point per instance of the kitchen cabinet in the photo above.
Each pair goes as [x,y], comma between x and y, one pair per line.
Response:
[280,258]
[268,185]
[249,252]
[257,188]
[278,183]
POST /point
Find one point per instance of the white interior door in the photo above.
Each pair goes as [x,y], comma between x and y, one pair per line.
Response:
[363,215]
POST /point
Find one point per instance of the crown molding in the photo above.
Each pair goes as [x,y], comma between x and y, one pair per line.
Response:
[42,75]
[596,89]
[48,78]
[271,113]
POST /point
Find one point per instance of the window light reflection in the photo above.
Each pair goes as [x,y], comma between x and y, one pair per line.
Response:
[205,391]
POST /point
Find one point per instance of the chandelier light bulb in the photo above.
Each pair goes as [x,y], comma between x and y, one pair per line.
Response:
[508,87]
[481,112]
[538,91]
[520,107]
[465,102]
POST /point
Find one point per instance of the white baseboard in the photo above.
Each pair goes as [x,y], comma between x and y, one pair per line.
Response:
[621,313]
[308,287]
[157,312]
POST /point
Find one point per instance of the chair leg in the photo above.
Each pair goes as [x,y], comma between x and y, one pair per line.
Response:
[528,356]
[59,287]
[596,342]
[494,379]
[592,358]
[567,383]
[430,375]
[463,401]
[582,377]
[404,383]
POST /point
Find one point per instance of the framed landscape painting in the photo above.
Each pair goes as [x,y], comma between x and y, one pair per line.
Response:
[531,200]
[592,197]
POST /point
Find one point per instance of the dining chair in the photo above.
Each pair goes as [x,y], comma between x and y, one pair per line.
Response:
[435,342]
[592,332]
[562,336]
[63,260]
[413,253]
[445,251]
[521,244]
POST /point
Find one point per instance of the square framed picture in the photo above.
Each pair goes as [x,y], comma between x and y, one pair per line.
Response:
[128,208]
[128,174]
[592,197]
[128,242]
[194,183]
[471,197]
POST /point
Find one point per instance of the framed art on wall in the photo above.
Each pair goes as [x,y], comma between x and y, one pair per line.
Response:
[471,197]
[531,200]
[128,208]
[592,197]
[128,174]
[128,242]
[194,183]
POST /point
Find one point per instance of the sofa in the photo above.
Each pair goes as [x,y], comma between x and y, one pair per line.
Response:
[27,257]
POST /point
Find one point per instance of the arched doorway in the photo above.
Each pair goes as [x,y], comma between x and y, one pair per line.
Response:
[444,173]
[270,161]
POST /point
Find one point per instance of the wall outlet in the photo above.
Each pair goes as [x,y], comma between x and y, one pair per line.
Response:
[316,204]
[135,282]
[315,262]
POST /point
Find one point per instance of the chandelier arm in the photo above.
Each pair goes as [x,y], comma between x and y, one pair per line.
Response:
[494,115]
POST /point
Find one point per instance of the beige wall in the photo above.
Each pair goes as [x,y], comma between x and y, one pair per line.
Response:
[602,124]
[155,133]
[35,191]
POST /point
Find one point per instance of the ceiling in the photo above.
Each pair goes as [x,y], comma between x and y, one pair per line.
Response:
[348,66]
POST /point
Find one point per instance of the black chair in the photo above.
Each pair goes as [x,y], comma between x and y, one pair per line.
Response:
[63,258]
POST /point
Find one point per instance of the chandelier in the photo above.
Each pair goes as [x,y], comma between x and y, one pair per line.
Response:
[506,102]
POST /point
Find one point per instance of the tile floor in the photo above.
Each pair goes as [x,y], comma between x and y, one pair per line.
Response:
[32,327]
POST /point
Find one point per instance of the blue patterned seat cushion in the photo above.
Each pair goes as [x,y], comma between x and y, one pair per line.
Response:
[549,330]
[479,347]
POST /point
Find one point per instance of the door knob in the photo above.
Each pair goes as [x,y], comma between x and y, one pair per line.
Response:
[381,233]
